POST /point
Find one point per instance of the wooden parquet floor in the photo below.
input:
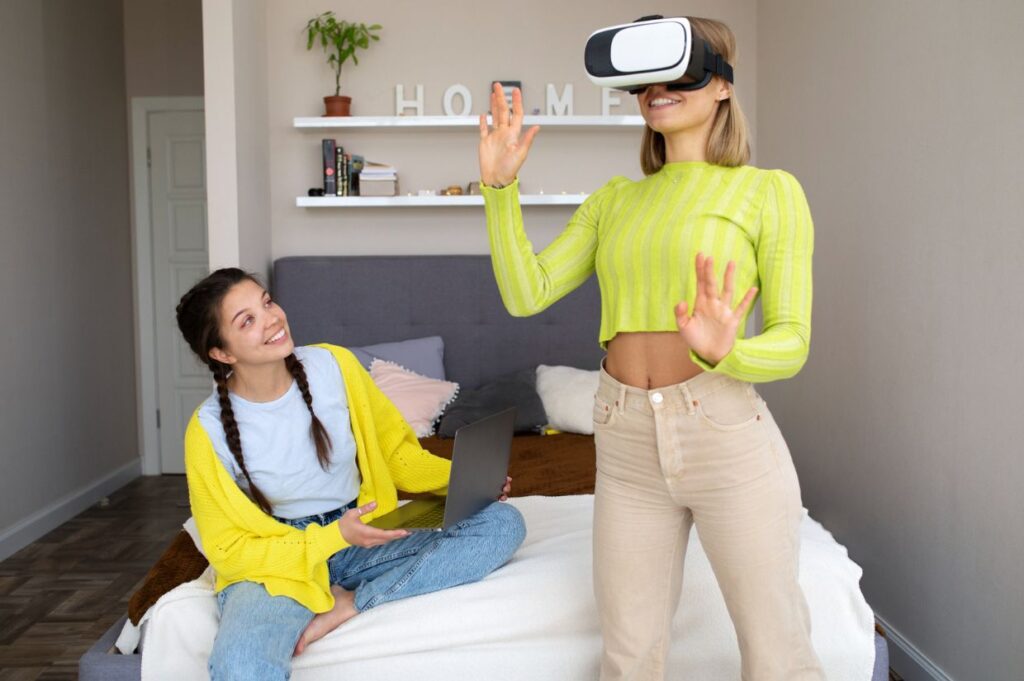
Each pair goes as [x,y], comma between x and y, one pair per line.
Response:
[60,593]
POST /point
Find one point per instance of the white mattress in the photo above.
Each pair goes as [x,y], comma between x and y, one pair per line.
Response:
[533,619]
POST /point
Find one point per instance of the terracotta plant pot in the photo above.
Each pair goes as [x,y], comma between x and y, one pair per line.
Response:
[337,106]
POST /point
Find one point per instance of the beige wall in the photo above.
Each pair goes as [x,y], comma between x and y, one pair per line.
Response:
[236,134]
[250,18]
[438,45]
[67,408]
[163,47]
[904,123]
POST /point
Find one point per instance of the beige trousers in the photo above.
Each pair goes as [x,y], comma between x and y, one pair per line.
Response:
[704,452]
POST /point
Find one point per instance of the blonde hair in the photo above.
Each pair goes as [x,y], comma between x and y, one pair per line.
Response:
[729,143]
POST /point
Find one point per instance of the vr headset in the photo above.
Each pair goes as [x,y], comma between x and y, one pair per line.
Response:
[651,50]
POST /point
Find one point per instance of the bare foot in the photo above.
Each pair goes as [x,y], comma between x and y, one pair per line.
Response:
[324,623]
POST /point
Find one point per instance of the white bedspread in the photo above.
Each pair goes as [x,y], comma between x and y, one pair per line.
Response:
[533,619]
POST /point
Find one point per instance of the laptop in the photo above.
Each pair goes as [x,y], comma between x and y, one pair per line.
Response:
[479,467]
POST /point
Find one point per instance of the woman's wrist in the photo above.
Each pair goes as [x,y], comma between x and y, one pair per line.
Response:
[496,183]
[715,355]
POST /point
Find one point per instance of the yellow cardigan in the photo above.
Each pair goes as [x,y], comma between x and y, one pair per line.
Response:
[243,543]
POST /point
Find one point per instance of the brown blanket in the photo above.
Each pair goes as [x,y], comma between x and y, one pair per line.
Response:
[549,465]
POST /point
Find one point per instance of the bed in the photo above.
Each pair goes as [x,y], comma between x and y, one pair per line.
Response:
[534,618]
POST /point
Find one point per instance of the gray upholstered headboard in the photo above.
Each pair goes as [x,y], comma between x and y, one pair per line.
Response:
[360,300]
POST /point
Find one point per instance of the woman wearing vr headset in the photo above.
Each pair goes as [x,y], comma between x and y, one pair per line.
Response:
[682,436]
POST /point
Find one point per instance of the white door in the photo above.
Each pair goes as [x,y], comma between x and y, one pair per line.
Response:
[177,186]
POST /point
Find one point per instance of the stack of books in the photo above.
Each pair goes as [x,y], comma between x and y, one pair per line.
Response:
[378,179]
[341,170]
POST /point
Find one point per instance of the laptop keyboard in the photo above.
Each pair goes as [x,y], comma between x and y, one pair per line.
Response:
[433,517]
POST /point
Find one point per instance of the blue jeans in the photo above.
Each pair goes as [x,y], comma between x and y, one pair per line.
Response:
[258,632]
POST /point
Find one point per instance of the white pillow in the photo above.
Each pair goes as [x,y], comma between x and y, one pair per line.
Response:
[568,397]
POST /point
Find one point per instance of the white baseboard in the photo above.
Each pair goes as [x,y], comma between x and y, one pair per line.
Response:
[907,661]
[26,531]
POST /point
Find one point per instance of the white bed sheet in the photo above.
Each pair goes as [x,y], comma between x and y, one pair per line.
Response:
[533,619]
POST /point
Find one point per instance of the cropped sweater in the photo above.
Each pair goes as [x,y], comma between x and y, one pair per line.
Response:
[642,239]
[243,543]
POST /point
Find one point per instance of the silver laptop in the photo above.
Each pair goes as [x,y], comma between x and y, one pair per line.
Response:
[479,466]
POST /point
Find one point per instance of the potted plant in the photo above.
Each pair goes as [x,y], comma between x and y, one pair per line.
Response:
[340,40]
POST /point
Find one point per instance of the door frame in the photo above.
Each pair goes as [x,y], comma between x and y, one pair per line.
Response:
[146,396]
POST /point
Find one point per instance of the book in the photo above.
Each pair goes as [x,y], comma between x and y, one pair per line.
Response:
[339,168]
[346,175]
[329,161]
[373,170]
[354,172]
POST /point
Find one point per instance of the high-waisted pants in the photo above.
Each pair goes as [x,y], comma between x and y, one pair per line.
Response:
[704,452]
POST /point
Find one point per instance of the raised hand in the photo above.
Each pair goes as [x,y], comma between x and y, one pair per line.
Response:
[503,147]
[711,330]
[357,533]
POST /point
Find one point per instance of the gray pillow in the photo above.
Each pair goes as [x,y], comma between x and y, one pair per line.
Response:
[518,389]
[425,356]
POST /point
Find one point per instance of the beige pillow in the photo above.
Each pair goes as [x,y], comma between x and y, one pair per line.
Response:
[568,397]
[421,400]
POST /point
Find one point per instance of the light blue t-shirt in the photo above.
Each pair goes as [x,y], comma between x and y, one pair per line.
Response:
[277,445]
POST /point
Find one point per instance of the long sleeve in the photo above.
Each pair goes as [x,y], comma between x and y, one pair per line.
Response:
[530,283]
[240,541]
[785,246]
[390,455]
[412,468]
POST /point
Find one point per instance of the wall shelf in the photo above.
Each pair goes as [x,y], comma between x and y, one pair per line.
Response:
[462,122]
[431,201]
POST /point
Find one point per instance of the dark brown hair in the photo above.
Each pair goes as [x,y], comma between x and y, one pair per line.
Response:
[729,142]
[199,322]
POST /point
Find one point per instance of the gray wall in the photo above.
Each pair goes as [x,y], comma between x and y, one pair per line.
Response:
[904,123]
[163,46]
[67,405]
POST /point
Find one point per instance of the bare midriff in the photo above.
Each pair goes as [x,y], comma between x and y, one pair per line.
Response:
[650,360]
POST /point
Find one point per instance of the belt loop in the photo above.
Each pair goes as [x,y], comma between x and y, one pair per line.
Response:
[688,399]
[620,398]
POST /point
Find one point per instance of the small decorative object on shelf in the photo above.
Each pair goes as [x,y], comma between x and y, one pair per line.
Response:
[451,190]
[473,188]
[339,40]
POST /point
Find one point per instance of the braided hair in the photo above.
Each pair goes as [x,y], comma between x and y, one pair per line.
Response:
[199,322]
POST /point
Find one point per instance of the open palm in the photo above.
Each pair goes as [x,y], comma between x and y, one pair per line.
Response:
[503,147]
[710,330]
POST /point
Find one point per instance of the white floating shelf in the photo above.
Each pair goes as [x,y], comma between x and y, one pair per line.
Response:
[437,201]
[449,122]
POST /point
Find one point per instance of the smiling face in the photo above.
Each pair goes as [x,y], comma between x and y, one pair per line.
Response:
[253,328]
[672,112]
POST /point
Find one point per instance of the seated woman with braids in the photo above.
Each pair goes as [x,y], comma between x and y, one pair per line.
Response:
[285,461]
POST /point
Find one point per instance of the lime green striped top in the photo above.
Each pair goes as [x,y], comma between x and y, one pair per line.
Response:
[642,239]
